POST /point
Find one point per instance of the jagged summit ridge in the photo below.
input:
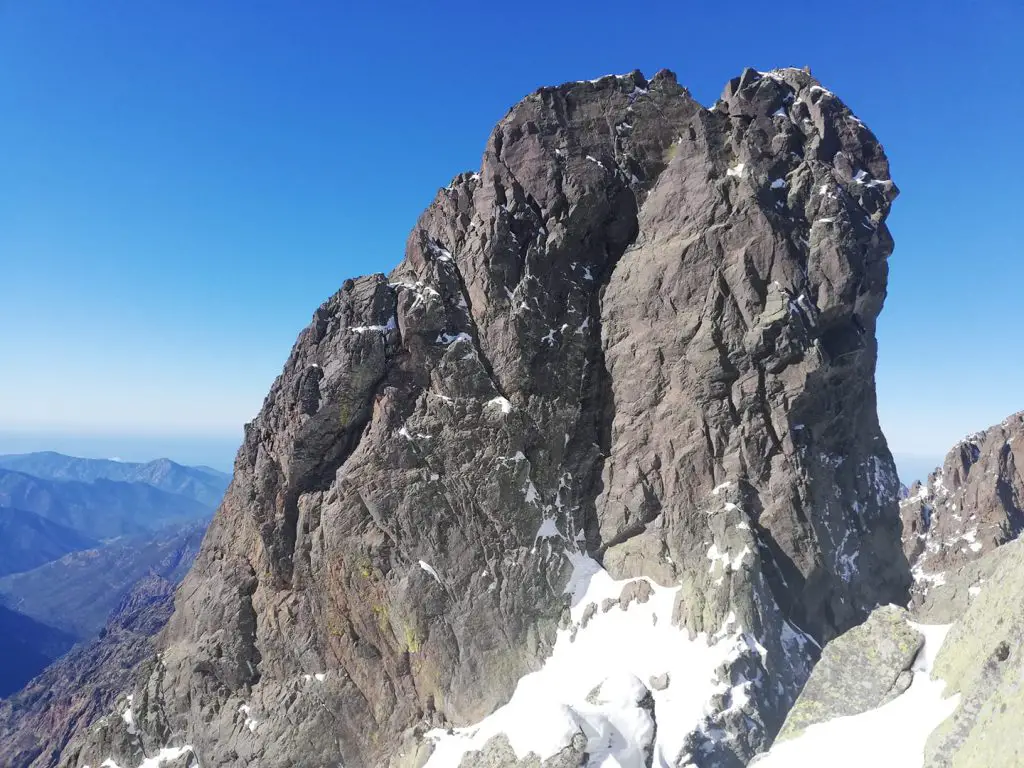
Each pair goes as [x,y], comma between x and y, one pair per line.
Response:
[637,347]
[967,507]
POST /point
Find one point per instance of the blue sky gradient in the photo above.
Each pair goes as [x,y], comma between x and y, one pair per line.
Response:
[181,184]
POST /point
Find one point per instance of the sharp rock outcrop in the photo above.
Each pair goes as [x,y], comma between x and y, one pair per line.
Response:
[969,506]
[616,403]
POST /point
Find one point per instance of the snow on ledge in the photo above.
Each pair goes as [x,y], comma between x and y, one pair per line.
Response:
[430,569]
[165,755]
[596,675]
[736,170]
[501,402]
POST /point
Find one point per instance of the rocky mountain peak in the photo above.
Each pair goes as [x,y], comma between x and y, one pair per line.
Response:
[969,506]
[618,395]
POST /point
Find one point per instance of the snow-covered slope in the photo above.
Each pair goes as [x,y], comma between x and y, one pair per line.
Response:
[624,684]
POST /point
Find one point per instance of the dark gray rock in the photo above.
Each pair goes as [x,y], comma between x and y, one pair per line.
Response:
[947,602]
[498,753]
[644,331]
[659,682]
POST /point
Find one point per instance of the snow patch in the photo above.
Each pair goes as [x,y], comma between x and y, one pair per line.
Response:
[727,561]
[430,569]
[451,338]
[389,326]
[547,530]
[595,677]
[530,492]
[440,253]
[129,716]
[501,402]
[736,170]
[250,722]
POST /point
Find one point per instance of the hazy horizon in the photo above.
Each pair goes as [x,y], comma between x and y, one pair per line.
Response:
[218,452]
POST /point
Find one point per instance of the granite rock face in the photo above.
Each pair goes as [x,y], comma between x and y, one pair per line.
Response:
[975,674]
[970,505]
[642,335]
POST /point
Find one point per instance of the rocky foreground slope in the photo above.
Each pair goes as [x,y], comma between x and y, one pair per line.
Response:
[610,425]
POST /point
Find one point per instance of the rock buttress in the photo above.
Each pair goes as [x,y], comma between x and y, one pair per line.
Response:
[643,332]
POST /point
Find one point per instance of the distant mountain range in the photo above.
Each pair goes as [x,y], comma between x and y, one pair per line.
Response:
[103,509]
[201,484]
[76,537]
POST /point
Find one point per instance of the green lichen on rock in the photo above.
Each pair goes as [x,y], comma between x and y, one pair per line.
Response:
[413,642]
[859,670]
[982,661]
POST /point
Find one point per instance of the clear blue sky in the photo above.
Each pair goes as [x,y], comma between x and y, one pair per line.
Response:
[182,183]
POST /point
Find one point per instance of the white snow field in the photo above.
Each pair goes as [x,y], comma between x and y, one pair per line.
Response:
[593,683]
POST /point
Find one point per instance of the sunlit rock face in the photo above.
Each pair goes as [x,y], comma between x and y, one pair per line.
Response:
[602,450]
[969,506]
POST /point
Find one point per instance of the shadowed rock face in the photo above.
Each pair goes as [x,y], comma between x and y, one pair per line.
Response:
[643,332]
[972,504]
